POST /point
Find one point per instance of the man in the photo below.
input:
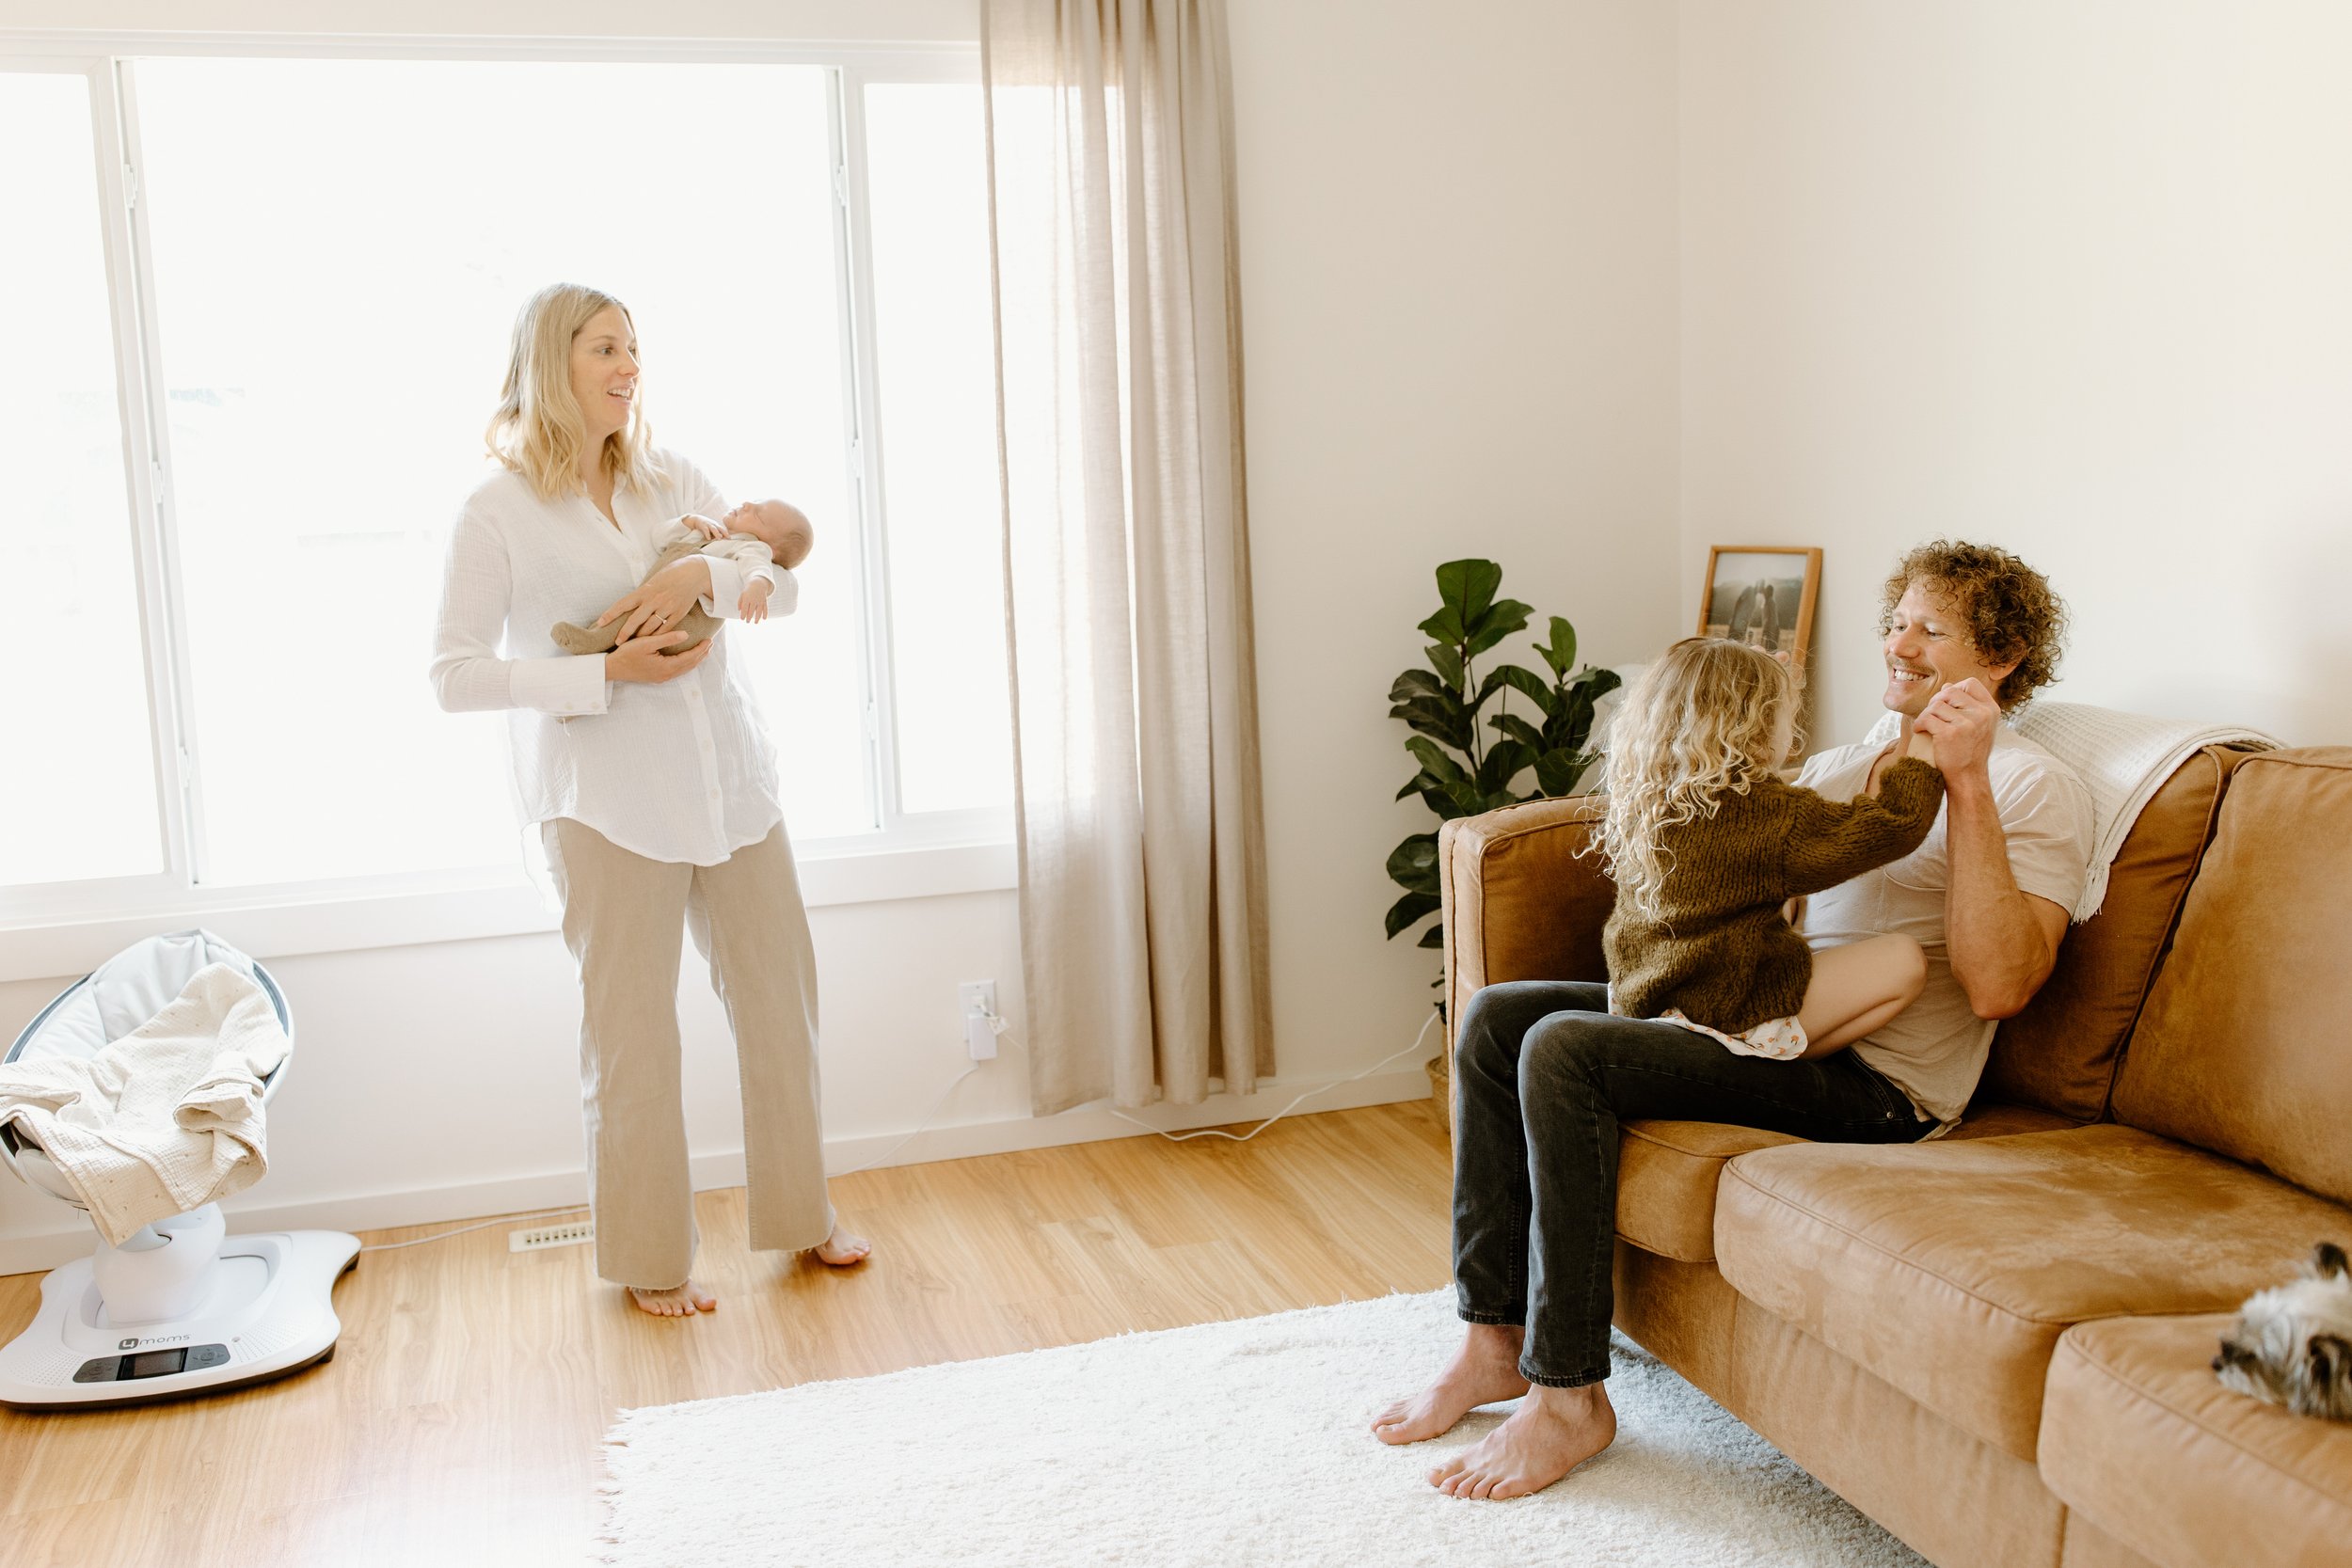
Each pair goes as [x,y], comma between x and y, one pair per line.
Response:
[1545,1075]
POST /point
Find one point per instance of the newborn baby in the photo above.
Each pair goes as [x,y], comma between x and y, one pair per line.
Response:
[757,532]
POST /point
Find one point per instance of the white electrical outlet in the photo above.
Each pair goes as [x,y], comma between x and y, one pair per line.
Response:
[976,1001]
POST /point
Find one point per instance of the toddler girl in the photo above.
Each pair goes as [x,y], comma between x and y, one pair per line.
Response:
[1708,844]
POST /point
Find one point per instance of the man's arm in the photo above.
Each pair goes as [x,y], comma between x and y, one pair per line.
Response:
[2002,941]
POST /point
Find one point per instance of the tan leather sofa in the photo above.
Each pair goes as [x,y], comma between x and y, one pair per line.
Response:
[1998,1345]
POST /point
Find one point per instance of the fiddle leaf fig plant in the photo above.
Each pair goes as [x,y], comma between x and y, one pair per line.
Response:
[1466,766]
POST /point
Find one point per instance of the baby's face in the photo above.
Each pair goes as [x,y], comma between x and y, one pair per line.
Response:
[769,522]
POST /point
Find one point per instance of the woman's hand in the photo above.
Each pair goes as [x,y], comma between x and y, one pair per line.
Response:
[647,658]
[661,601]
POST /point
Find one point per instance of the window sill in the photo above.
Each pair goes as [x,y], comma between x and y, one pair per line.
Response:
[274,924]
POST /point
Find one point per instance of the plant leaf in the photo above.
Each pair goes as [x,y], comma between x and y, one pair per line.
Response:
[1501,764]
[1442,716]
[1413,865]
[1559,652]
[1409,908]
[1446,659]
[1527,682]
[1420,683]
[1556,772]
[1520,730]
[1432,757]
[1434,937]
[1506,618]
[1467,588]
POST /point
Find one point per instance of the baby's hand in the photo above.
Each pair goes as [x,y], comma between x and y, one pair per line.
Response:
[752,606]
[702,525]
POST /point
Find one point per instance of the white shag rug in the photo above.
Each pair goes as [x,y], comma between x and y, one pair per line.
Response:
[1220,1446]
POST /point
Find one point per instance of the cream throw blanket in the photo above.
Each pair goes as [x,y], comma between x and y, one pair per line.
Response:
[166,1119]
[2122,760]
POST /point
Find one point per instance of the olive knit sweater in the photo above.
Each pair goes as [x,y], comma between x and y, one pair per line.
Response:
[1719,951]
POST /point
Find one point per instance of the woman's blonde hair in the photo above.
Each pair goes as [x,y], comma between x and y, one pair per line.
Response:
[1703,721]
[539,428]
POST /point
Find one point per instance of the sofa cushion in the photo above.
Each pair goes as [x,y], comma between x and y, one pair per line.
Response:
[1668,1173]
[2138,1436]
[2241,1048]
[2060,1052]
[1950,1269]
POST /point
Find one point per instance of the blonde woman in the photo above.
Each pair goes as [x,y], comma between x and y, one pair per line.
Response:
[653,786]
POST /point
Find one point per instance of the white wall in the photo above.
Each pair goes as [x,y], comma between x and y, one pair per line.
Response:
[2068,275]
[1458,278]
[1458,233]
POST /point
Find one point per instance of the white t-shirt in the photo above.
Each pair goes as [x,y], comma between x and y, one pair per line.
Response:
[682,771]
[1935,1049]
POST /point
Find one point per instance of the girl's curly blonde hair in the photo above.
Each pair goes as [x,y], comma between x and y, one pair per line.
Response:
[1703,721]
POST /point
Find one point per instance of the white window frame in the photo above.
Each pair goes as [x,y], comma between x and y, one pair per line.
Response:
[59,929]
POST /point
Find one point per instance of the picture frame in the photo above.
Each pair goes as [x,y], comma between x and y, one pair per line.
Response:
[1762,594]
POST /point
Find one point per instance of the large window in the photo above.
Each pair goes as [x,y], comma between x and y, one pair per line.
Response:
[274,299]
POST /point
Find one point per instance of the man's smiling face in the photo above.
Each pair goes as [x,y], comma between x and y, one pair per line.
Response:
[1926,648]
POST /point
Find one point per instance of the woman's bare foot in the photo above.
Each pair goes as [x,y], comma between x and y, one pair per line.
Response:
[682,1302]
[1551,1432]
[841,1250]
[1485,1370]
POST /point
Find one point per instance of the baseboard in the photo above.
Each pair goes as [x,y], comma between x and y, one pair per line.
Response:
[569,1188]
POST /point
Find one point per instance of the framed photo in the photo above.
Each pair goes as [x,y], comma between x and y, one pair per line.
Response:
[1762,594]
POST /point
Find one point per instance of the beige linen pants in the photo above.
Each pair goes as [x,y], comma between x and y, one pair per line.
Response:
[621,915]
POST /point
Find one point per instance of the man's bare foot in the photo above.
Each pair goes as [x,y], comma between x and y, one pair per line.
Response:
[683,1302]
[841,1250]
[1485,1370]
[1551,1432]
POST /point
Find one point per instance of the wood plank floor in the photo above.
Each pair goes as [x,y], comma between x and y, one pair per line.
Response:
[460,1420]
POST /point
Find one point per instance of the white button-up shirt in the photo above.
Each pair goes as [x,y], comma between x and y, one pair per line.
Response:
[681,770]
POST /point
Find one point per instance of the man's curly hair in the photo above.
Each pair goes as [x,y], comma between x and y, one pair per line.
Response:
[2007,610]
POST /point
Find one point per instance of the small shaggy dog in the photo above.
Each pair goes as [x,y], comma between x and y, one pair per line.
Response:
[2292,1345]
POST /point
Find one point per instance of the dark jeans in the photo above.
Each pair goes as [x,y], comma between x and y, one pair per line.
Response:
[1542,1077]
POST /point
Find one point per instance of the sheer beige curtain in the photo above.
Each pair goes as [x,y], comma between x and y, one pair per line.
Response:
[1127,564]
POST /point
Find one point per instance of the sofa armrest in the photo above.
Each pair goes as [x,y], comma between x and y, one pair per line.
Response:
[1522,901]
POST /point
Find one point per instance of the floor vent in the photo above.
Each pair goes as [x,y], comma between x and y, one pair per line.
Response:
[545,1235]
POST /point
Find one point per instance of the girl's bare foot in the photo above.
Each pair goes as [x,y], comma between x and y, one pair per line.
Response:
[682,1302]
[841,1250]
[1485,1370]
[1551,1432]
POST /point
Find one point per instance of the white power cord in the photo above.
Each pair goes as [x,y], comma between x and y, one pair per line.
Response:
[937,1106]
[1326,1089]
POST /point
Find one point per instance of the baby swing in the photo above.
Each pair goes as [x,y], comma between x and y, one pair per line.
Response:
[174,1306]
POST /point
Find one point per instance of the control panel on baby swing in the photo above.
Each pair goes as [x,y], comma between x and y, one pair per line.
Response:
[151,1363]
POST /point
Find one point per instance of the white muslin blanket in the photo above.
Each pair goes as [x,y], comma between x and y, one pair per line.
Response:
[2122,760]
[166,1119]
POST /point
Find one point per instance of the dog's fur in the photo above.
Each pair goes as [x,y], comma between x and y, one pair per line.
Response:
[2293,1344]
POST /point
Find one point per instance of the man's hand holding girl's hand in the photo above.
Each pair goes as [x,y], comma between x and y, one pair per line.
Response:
[1961,721]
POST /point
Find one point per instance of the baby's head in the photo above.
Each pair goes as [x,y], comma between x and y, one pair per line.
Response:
[779,525]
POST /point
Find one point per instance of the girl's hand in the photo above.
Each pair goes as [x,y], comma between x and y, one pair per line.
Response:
[646,660]
[661,601]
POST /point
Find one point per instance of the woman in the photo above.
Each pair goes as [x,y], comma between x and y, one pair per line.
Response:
[653,788]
